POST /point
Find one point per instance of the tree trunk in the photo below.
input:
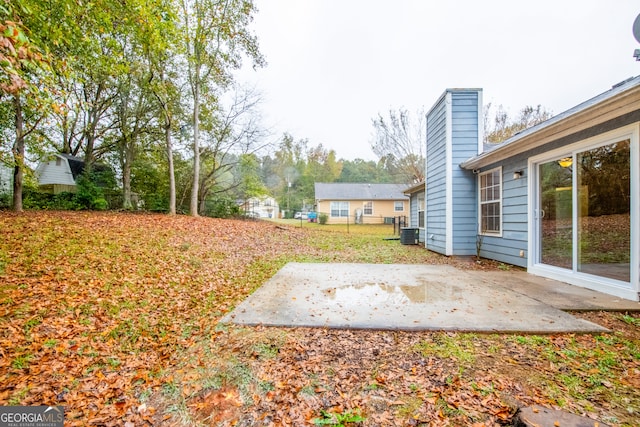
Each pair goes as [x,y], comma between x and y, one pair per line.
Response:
[193,207]
[90,133]
[203,203]
[172,177]
[126,177]
[18,155]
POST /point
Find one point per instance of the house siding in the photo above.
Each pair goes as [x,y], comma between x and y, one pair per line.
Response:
[435,178]
[464,123]
[382,209]
[514,220]
[51,173]
[455,199]
[413,217]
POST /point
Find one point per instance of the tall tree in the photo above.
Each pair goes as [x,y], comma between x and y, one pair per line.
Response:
[136,107]
[167,95]
[399,138]
[251,184]
[24,70]
[289,164]
[160,48]
[216,35]
[133,111]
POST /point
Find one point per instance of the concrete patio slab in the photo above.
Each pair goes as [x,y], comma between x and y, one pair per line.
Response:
[402,297]
[556,294]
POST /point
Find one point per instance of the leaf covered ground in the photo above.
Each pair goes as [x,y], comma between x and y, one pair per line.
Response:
[115,316]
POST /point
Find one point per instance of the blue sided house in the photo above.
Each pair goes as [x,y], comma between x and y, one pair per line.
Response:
[561,199]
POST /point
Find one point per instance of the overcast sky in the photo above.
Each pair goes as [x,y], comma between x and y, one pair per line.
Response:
[333,65]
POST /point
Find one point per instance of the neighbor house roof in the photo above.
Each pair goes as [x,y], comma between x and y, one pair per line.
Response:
[359,191]
[76,164]
[621,99]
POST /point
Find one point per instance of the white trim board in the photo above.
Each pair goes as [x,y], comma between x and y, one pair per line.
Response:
[449,176]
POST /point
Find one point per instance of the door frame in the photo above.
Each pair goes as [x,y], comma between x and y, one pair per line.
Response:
[618,288]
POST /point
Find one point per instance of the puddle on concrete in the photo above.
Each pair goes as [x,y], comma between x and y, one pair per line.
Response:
[398,297]
[380,293]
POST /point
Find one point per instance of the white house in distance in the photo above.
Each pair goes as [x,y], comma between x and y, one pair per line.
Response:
[561,199]
[6,179]
[261,207]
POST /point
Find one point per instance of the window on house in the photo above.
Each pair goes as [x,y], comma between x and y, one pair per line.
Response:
[339,209]
[367,207]
[398,206]
[421,211]
[491,202]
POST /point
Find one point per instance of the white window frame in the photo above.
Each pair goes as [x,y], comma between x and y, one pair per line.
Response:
[365,205]
[492,233]
[421,210]
[395,206]
[340,209]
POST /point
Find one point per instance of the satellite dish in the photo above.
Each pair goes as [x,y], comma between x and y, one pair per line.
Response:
[636,28]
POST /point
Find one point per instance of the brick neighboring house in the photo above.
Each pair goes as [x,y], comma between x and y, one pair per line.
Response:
[360,203]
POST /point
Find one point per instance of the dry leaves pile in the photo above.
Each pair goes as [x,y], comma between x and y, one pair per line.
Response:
[115,317]
[95,307]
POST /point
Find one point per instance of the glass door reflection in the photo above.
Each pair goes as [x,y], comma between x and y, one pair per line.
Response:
[555,212]
[604,211]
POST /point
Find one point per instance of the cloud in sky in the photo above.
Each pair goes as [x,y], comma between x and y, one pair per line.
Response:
[334,65]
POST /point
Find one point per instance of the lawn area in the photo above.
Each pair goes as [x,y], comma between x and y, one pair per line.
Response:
[115,316]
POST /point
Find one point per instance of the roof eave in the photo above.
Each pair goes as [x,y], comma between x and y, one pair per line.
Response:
[414,188]
[583,116]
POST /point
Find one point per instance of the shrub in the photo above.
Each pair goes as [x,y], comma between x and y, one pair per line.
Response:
[34,199]
[89,195]
[323,218]
[221,207]
[5,200]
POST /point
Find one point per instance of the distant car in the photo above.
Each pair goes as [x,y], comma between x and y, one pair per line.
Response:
[300,215]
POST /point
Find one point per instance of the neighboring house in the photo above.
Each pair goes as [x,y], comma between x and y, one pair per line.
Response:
[561,198]
[416,195]
[6,179]
[360,203]
[59,173]
[262,206]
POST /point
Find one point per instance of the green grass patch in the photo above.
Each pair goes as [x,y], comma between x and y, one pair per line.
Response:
[635,321]
[445,346]
[338,419]
[22,361]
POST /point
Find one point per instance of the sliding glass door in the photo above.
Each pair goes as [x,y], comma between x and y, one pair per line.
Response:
[604,211]
[583,216]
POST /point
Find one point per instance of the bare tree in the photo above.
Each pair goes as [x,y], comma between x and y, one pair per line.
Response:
[235,130]
[501,127]
[399,139]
